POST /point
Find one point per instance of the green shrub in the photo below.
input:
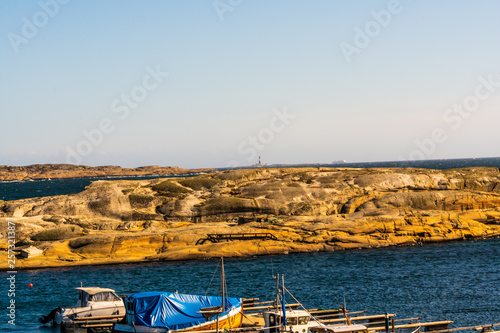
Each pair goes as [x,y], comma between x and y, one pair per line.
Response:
[200,183]
[223,205]
[306,177]
[327,179]
[58,233]
[99,206]
[48,235]
[128,190]
[169,188]
[140,201]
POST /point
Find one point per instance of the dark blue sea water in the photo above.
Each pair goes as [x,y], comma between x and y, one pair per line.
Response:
[429,164]
[424,164]
[454,281]
[38,188]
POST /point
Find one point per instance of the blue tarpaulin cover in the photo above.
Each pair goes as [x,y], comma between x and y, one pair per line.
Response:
[175,311]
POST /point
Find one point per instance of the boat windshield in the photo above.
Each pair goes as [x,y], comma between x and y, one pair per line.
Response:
[104,297]
[297,320]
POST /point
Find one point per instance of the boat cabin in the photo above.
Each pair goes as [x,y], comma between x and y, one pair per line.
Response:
[297,321]
[87,296]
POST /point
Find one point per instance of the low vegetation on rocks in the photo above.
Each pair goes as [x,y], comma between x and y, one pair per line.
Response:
[306,209]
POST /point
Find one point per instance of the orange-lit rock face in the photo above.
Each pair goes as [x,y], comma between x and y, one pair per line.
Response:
[307,209]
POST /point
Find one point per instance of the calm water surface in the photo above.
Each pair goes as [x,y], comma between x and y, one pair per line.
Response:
[453,281]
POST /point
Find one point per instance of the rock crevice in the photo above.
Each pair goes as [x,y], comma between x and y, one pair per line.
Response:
[307,209]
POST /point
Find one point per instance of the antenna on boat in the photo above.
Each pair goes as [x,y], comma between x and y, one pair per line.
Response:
[344,311]
[277,277]
[283,306]
[272,269]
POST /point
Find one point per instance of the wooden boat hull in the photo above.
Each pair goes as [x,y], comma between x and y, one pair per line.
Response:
[233,321]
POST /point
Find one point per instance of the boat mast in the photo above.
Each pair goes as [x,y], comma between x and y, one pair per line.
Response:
[283,308]
[223,284]
[277,292]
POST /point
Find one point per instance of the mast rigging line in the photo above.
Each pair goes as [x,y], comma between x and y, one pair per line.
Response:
[210,284]
[303,307]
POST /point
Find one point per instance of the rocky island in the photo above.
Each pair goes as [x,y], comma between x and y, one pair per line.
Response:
[304,209]
[57,171]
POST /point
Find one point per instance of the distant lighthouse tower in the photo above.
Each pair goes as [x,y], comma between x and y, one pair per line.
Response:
[260,164]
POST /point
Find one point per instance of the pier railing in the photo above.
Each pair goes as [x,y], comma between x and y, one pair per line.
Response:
[216,238]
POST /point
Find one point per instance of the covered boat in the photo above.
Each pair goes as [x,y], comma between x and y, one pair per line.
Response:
[165,311]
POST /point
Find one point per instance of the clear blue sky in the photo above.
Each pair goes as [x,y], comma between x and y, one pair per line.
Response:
[292,81]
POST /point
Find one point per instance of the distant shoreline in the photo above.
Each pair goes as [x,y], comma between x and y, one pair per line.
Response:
[36,172]
[117,177]
[66,171]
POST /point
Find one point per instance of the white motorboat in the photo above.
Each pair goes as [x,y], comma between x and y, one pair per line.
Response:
[301,321]
[282,320]
[92,302]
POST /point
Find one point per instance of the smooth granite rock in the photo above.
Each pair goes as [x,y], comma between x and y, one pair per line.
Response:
[306,209]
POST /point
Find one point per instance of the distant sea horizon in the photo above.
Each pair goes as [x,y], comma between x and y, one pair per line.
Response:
[15,190]
[439,164]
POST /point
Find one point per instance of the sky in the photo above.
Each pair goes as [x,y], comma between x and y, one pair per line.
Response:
[217,83]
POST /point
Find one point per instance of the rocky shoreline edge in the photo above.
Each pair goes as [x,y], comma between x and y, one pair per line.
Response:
[63,171]
[304,209]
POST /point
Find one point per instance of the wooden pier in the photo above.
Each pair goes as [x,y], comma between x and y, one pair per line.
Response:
[253,321]
[216,238]
[102,324]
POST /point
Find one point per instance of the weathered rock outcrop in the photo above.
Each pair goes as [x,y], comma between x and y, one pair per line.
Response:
[307,209]
[55,171]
